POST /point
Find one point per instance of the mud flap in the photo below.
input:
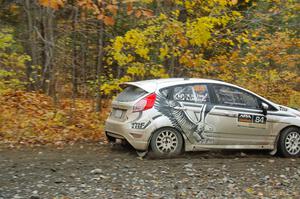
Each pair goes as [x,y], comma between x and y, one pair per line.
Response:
[142,154]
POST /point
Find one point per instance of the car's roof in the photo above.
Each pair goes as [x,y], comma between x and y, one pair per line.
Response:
[154,84]
[178,81]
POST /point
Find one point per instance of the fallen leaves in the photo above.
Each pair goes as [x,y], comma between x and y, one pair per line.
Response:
[31,118]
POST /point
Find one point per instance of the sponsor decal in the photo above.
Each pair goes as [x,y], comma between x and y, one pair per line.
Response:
[177,114]
[139,125]
[251,121]
[283,109]
[247,118]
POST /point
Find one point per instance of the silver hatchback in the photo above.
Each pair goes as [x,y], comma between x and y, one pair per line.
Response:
[168,116]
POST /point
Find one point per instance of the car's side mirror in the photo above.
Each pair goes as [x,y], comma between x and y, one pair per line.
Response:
[265,108]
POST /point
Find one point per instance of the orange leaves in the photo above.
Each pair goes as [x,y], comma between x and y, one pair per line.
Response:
[147,13]
[100,9]
[87,4]
[143,12]
[112,8]
[31,118]
[54,4]
[138,13]
[109,21]
[129,8]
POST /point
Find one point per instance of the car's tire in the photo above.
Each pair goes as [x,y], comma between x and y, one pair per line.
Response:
[166,142]
[289,142]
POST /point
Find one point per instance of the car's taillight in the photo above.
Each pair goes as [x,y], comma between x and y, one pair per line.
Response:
[145,103]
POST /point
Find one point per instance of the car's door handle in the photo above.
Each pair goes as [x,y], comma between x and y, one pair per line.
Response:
[179,108]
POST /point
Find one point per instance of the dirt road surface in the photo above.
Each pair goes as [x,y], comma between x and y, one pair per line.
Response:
[100,171]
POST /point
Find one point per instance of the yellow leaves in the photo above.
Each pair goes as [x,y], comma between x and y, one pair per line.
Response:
[162,17]
[236,13]
[136,69]
[199,31]
[227,41]
[250,190]
[189,5]
[164,37]
[117,53]
[234,2]
[121,58]
[113,85]
[109,61]
[191,60]
[176,13]
[146,1]
[158,71]
[6,38]
[133,37]
[54,4]
[163,51]
[137,40]
[294,99]
[12,63]
[118,44]
[143,52]
[186,60]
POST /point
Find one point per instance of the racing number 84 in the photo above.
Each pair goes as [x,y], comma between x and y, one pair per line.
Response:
[259,119]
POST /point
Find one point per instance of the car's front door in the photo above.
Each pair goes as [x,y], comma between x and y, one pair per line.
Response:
[237,118]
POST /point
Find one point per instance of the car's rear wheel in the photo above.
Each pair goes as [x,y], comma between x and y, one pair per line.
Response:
[166,142]
[289,142]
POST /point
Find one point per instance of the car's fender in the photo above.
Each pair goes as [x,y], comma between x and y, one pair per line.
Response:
[283,123]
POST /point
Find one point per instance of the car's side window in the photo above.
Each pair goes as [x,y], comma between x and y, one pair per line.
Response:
[188,93]
[230,96]
[202,95]
[184,93]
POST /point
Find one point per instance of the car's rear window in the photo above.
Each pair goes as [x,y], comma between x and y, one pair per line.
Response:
[130,93]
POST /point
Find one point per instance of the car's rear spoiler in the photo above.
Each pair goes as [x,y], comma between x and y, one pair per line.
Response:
[150,87]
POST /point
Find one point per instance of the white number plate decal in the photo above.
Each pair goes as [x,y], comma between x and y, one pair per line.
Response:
[253,121]
[118,113]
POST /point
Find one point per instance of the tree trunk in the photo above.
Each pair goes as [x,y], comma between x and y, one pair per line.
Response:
[32,44]
[99,67]
[74,57]
[47,36]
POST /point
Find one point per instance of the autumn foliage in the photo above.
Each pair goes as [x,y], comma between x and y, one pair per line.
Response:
[32,118]
[62,52]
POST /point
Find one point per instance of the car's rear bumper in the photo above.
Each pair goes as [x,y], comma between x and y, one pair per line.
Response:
[121,130]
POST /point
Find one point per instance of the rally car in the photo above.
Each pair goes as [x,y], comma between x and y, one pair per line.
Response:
[169,116]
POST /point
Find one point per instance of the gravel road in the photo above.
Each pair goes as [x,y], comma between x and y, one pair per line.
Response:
[100,171]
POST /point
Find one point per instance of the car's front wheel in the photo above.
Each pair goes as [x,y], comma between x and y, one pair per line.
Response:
[289,142]
[166,142]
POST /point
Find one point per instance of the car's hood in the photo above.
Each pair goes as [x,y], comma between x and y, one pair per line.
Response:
[289,110]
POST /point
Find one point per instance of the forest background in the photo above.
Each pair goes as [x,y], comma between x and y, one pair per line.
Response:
[61,61]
